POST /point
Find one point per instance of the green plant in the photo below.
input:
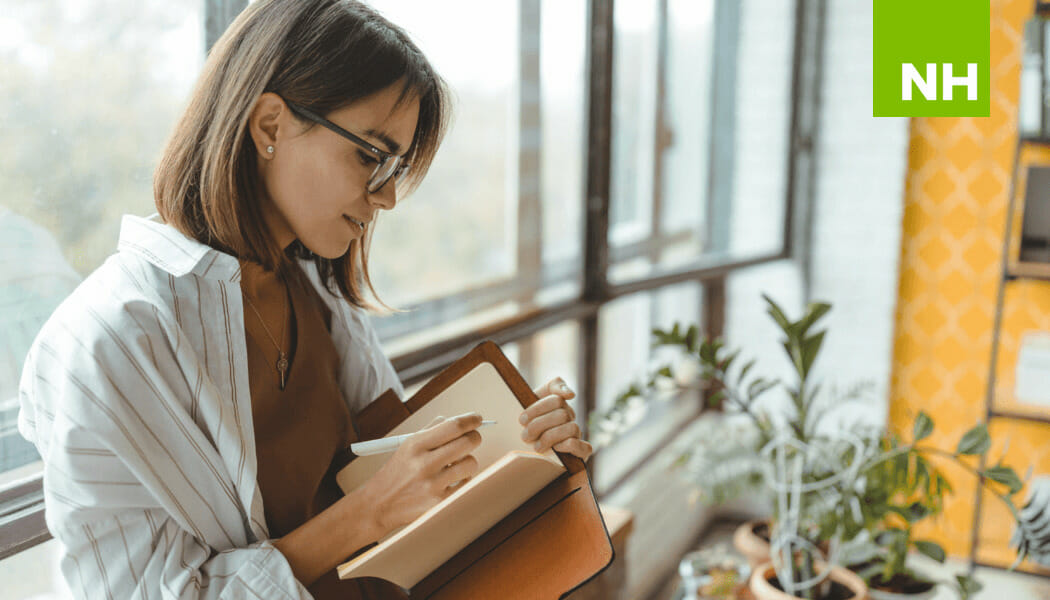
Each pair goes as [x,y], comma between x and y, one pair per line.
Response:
[903,486]
[875,483]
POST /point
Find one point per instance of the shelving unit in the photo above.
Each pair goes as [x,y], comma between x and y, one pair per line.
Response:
[1029,152]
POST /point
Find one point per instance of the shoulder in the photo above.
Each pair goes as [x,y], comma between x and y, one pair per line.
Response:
[123,287]
[117,310]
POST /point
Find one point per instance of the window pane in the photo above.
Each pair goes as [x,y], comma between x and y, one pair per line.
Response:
[495,229]
[563,90]
[635,49]
[550,353]
[90,94]
[763,122]
[457,230]
[685,160]
[667,205]
[625,356]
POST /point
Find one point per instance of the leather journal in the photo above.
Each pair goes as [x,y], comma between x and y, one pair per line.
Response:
[526,526]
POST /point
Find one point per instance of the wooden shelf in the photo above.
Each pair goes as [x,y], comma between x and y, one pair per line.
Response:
[1040,141]
[1028,271]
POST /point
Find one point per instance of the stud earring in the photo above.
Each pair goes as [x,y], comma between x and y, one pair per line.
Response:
[269,149]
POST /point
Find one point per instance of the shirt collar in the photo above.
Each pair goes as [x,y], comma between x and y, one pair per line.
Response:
[169,249]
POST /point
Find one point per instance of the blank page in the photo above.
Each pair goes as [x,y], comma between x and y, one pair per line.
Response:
[428,542]
[482,390]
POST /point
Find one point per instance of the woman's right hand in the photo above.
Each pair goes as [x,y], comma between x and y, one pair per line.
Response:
[422,471]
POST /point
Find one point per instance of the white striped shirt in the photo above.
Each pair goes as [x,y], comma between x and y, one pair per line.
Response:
[135,392]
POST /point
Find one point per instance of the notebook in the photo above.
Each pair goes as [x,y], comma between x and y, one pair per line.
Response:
[525,527]
[509,473]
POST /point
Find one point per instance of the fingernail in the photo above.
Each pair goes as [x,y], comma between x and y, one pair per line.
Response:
[523,419]
[537,446]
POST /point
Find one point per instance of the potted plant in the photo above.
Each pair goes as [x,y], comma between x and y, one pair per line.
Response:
[902,487]
[815,480]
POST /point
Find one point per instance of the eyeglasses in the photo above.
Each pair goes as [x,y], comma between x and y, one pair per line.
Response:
[389,166]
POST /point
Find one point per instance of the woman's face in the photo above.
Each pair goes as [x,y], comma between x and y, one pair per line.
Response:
[315,178]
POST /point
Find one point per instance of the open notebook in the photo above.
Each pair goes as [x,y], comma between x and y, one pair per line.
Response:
[510,473]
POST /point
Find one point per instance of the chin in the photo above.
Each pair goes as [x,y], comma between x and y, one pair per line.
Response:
[329,249]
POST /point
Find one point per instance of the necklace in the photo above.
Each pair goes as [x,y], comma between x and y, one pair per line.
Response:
[282,359]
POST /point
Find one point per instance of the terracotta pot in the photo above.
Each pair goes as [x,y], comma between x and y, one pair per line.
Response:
[754,548]
[762,589]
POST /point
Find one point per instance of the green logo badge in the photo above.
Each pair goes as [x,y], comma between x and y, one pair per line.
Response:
[931,58]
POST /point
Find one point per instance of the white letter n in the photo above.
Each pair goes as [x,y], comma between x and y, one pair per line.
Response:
[910,75]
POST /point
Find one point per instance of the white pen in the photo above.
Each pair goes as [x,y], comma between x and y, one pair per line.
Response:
[389,444]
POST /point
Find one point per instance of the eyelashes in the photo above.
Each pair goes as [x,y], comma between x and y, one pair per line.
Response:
[366,159]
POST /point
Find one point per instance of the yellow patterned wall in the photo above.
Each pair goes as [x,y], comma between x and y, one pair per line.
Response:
[955,204]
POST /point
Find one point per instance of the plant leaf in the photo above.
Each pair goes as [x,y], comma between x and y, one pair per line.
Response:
[814,311]
[1006,476]
[923,426]
[810,349]
[691,337]
[777,314]
[931,549]
[915,512]
[745,369]
[968,586]
[975,441]
[728,361]
[758,387]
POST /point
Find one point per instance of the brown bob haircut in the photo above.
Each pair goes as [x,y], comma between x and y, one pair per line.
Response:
[322,54]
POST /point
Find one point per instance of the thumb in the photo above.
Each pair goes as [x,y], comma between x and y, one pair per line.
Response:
[436,420]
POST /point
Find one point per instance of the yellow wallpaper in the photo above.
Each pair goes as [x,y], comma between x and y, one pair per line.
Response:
[955,203]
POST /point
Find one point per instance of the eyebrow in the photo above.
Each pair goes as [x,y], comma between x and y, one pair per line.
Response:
[394,147]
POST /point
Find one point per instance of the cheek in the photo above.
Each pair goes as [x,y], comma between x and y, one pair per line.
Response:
[309,188]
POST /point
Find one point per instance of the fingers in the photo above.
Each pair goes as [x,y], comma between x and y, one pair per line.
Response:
[464,468]
[441,433]
[545,405]
[537,425]
[555,386]
[554,435]
[455,449]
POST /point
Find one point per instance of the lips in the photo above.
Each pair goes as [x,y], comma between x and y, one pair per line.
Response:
[354,221]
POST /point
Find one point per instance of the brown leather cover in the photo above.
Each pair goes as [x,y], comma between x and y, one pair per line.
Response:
[552,544]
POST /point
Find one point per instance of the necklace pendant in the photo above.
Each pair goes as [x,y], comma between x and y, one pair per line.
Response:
[282,367]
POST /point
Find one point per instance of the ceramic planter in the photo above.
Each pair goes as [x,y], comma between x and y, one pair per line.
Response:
[762,589]
[754,548]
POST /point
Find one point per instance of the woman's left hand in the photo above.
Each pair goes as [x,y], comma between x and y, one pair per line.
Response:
[551,422]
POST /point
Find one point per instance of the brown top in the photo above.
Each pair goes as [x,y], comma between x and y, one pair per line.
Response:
[301,430]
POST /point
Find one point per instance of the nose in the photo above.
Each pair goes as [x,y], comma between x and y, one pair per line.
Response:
[385,197]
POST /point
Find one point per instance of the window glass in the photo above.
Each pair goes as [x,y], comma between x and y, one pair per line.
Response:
[625,357]
[91,92]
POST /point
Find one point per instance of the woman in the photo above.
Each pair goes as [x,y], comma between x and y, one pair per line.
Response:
[189,439]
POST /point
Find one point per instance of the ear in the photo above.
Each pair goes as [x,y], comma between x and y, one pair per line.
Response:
[264,122]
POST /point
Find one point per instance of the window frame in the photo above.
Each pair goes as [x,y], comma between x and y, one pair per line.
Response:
[22,523]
